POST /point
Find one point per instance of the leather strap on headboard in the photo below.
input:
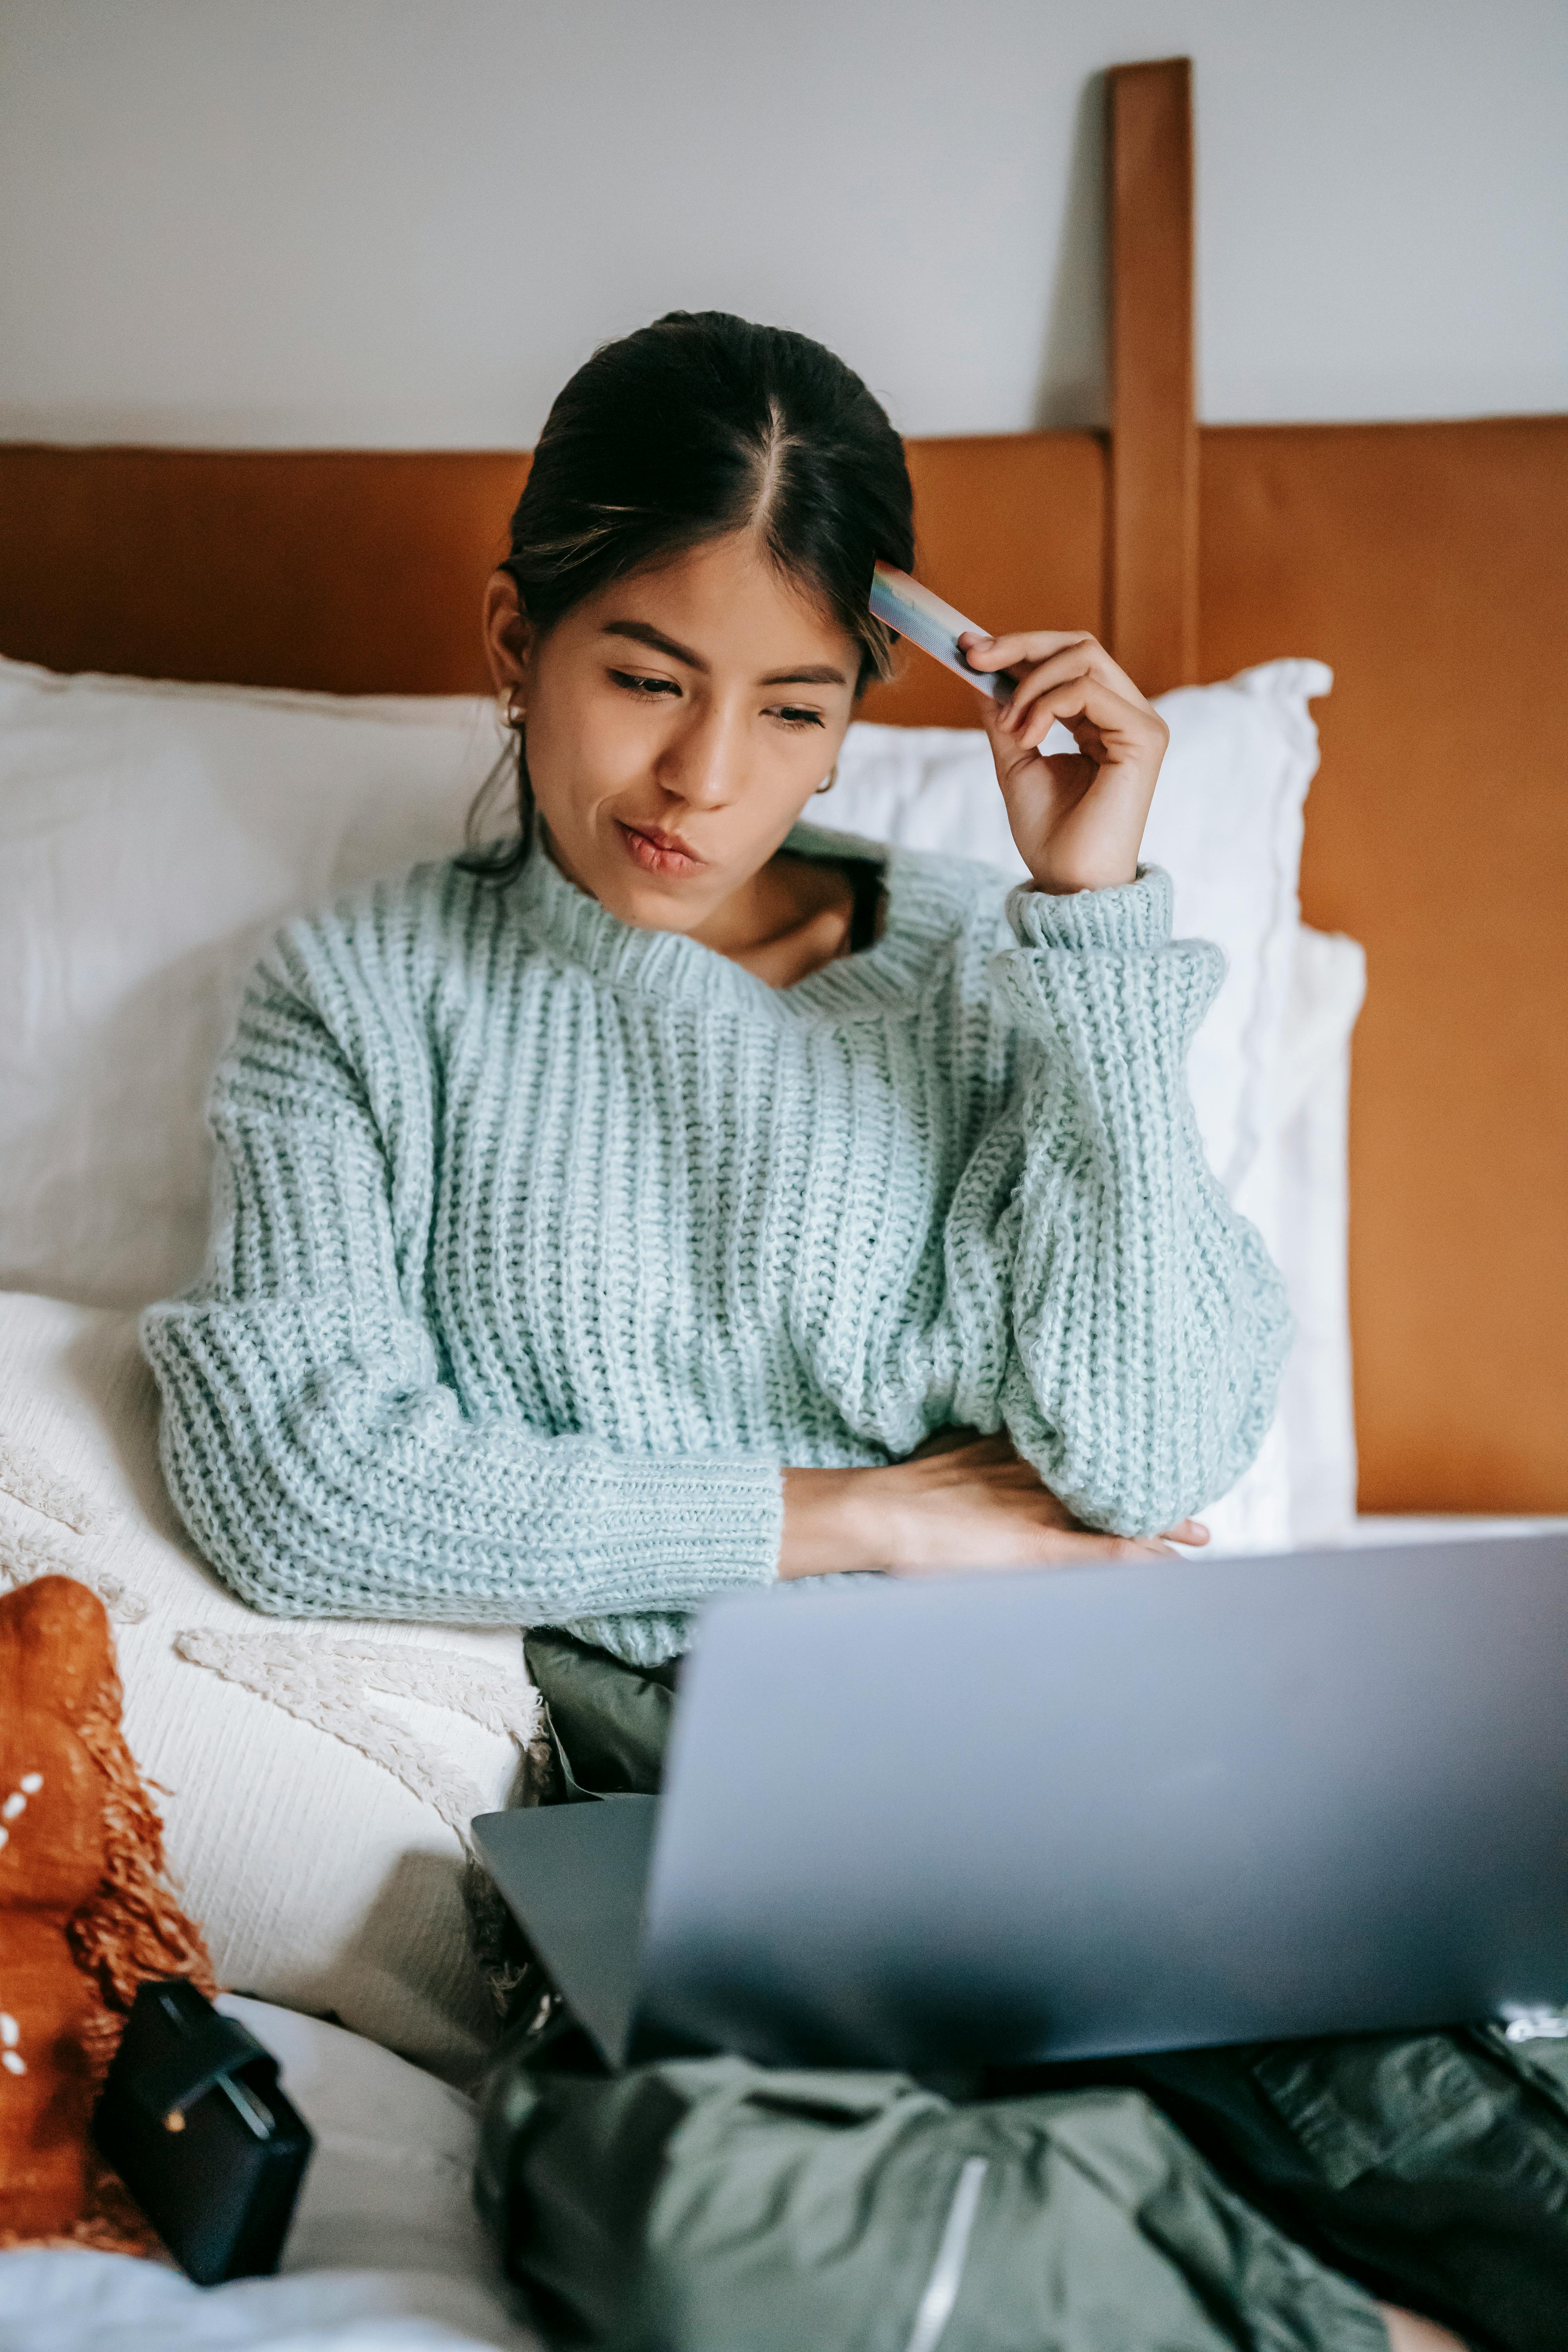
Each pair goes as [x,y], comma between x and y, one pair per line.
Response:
[1153,568]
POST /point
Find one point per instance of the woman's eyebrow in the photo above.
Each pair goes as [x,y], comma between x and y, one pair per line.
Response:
[643,632]
[815,674]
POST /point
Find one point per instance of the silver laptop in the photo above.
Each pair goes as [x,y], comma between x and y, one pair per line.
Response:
[1081,1813]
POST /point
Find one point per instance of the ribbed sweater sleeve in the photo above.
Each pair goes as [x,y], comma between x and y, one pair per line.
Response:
[311,1438]
[1116,1314]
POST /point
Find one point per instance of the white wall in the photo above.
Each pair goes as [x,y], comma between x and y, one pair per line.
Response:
[405,221]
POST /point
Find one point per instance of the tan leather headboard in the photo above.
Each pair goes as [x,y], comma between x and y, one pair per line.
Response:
[353,572]
[1427,563]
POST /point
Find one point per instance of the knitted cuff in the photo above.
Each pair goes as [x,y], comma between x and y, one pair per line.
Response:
[1129,919]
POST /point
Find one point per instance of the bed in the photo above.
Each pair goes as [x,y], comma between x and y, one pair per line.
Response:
[1414,560]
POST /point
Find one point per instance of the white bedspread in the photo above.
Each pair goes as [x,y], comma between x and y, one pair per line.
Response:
[73,2301]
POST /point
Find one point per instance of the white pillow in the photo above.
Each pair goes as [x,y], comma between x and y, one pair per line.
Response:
[151,838]
[1311,1239]
[1302,1488]
[390,2185]
[314,1780]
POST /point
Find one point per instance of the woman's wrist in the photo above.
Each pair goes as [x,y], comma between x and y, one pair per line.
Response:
[831,1524]
[1052,885]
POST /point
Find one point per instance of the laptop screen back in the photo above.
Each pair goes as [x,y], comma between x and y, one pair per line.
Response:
[1103,1811]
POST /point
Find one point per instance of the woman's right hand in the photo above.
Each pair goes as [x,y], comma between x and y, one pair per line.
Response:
[963,1503]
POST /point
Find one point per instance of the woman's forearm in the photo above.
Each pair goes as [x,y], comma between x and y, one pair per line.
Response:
[962,1502]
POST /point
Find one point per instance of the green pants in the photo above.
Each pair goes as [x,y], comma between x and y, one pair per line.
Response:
[609,1723]
[1429,2170]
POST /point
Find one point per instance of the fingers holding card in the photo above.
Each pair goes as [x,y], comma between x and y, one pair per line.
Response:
[1077,814]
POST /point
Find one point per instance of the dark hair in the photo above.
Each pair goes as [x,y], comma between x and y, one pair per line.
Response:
[691,428]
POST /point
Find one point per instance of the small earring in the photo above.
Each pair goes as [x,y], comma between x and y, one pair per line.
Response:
[512,713]
[832,780]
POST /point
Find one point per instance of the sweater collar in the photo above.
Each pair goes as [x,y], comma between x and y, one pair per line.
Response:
[576,929]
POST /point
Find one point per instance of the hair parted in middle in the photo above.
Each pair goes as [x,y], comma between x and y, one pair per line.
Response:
[696,426]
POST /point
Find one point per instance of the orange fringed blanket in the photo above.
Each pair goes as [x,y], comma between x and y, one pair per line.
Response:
[86,1913]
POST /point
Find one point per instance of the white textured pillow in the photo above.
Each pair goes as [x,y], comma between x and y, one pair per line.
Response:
[151,838]
[315,1779]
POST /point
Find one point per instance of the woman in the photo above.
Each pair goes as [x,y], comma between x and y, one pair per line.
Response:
[687,1199]
[607,1225]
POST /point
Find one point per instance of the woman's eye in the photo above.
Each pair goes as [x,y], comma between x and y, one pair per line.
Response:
[648,686]
[789,716]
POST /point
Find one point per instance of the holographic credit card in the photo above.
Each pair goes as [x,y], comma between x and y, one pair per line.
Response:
[904,605]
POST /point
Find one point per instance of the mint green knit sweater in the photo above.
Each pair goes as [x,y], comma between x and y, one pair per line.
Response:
[540,1244]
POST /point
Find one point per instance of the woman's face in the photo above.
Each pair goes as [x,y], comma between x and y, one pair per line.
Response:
[679,721]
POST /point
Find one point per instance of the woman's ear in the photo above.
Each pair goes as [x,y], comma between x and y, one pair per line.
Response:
[509,635]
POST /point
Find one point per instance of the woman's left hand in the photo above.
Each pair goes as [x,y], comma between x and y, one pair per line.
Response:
[1077,816]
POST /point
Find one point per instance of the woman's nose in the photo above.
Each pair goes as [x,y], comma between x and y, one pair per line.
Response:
[702,766]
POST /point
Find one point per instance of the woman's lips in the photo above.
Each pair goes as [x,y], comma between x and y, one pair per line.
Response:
[657,851]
